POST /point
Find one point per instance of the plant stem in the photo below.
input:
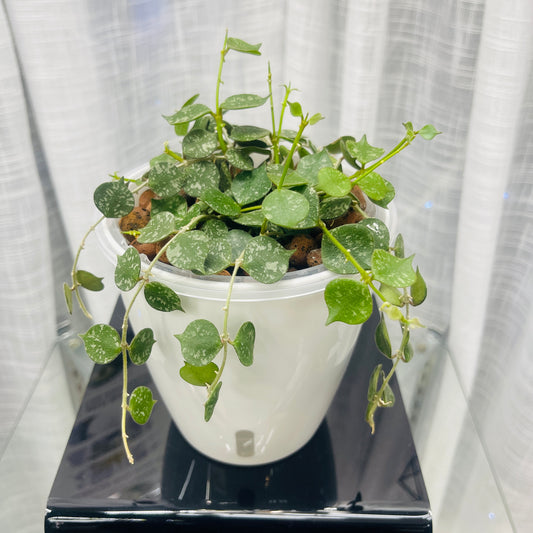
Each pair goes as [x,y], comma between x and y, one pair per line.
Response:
[288,161]
[275,138]
[281,115]
[225,333]
[218,110]
[360,174]
[73,274]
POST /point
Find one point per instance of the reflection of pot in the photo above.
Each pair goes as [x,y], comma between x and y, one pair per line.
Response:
[269,410]
[305,481]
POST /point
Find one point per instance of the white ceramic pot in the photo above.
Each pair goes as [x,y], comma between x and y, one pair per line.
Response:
[269,410]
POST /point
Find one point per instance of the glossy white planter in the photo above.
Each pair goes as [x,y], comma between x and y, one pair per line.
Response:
[269,410]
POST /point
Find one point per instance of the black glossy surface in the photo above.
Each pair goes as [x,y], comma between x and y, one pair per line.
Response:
[343,479]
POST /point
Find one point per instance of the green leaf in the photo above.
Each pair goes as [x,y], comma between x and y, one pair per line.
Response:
[310,165]
[113,199]
[128,269]
[238,239]
[199,376]
[239,159]
[219,256]
[265,259]
[211,402]
[389,196]
[253,219]
[177,205]
[243,101]
[392,270]
[141,404]
[391,294]
[189,251]
[382,338]
[161,297]
[201,175]
[285,207]
[317,117]
[249,186]
[159,227]
[241,46]
[215,228]
[408,352]
[187,114]
[348,301]
[295,109]
[244,343]
[102,343]
[357,239]
[311,220]
[199,143]
[248,133]
[418,289]
[428,132]
[374,186]
[68,297]
[363,151]
[334,207]
[373,384]
[221,203]
[292,179]
[141,346]
[387,399]
[334,182]
[200,342]
[166,179]
[399,247]
[89,281]
[379,230]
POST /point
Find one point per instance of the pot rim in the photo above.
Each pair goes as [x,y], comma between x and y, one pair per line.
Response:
[214,287]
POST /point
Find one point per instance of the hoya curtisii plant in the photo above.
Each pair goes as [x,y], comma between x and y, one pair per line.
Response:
[229,201]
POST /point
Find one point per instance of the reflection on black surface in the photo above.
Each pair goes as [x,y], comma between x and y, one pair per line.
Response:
[344,477]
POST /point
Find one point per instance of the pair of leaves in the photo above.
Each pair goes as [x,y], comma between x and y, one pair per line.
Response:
[103,344]
[201,342]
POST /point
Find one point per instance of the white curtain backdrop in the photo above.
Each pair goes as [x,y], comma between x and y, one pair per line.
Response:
[83,85]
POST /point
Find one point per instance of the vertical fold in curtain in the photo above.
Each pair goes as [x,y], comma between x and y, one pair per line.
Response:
[27,305]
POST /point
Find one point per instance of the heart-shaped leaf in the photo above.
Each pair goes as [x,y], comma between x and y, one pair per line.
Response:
[379,230]
[160,226]
[200,342]
[348,301]
[285,207]
[199,143]
[177,205]
[221,203]
[374,186]
[102,343]
[265,259]
[199,375]
[141,346]
[243,101]
[428,132]
[89,281]
[357,240]
[249,186]
[201,175]
[211,402]
[161,297]
[128,269]
[244,343]
[189,251]
[240,159]
[310,165]
[389,196]
[141,404]
[248,133]
[363,151]
[113,199]
[166,179]
[333,182]
[187,114]
[392,270]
